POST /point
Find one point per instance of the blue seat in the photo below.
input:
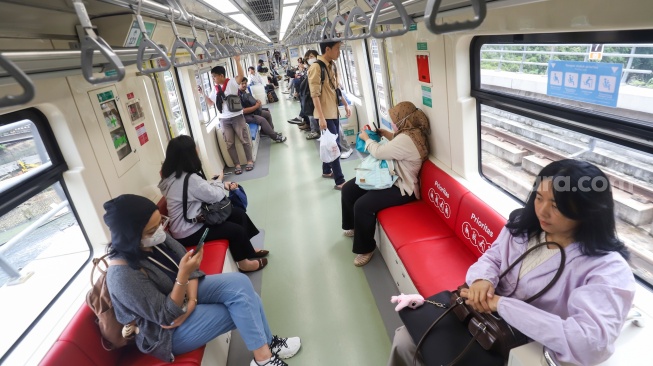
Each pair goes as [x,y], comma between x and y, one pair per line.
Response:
[253,130]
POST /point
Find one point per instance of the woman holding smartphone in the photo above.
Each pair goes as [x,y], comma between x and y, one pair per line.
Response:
[175,306]
[186,226]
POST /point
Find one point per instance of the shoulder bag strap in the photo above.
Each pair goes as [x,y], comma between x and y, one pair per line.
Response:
[563,257]
[96,265]
[185,199]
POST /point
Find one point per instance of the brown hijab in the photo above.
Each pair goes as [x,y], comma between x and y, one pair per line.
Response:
[411,121]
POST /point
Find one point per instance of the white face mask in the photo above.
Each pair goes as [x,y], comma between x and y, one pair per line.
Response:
[157,238]
[311,61]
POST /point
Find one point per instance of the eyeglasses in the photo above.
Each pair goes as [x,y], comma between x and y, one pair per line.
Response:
[164,221]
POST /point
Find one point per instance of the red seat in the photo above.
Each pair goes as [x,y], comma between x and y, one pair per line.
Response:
[477,224]
[436,265]
[412,222]
[441,192]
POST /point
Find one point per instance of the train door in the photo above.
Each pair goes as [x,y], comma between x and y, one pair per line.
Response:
[380,78]
[111,118]
[172,104]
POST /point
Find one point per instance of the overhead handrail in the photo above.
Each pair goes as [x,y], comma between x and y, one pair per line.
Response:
[355,16]
[179,43]
[433,8]
[197,43]
[91,42]
[223,50]
[338,20]
[406,20]
[23,81]
[145,43]
[210,45]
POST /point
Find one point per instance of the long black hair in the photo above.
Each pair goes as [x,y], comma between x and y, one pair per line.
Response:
[583,193]
[181,157]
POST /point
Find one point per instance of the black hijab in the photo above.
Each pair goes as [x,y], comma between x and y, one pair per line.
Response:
[126,216]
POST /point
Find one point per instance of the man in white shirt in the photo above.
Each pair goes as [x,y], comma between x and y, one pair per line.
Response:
[254,77]
[233,123]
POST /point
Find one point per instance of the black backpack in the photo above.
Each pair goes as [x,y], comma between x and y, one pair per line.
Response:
[305,98]
[272,97]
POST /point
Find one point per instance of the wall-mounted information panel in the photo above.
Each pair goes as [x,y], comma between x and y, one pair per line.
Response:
[108,110]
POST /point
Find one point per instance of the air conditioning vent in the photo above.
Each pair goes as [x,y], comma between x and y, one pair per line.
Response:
[262,9]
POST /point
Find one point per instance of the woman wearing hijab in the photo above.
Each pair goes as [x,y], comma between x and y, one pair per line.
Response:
[409,147]
[174,305]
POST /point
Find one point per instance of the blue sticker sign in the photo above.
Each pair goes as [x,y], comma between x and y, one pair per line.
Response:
[591,82]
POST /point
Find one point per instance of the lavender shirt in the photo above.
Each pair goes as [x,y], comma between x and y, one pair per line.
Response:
[580,317]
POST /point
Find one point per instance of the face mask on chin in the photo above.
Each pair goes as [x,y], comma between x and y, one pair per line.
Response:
[311,61]
[157,238]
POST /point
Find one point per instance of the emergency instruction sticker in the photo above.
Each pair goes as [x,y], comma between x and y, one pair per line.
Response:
[590,82]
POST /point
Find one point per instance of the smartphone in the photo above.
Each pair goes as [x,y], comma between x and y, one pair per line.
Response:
[201,244]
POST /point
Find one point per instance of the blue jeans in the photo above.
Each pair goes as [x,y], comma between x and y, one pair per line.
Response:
[224,302]
[333,125]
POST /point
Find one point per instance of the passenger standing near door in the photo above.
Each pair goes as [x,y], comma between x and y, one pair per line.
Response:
[325,99]
[233,123]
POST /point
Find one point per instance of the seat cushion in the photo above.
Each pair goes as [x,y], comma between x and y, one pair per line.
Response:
[478,225]
[412,222]
[436,265]
[215,252]
[441,192]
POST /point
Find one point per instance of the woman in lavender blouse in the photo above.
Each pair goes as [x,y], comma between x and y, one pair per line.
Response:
[581,316]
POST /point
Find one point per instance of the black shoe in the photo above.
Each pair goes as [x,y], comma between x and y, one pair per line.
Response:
[295,121]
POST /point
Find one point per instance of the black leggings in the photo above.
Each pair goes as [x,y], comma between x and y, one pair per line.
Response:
[359,209]
[238,229]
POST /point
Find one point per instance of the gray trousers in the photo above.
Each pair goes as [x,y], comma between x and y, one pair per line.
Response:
[236,126]
[403,349]
[265,121]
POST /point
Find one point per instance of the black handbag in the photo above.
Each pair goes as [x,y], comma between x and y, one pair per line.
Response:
[210,213]
[233,102]
[489,331]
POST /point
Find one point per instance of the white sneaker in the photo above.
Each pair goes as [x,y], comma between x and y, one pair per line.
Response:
[285,347]
[274,361]
[346,154]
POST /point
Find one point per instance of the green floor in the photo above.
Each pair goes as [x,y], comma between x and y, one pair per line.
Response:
[311,288]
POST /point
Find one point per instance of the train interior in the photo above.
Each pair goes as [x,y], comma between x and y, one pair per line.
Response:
[92,91]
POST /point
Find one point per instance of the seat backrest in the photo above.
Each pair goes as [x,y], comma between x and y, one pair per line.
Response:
[441,192]
[79,344]
[477,225]
[163,206]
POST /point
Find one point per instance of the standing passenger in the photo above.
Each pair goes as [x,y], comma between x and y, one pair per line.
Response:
[233,123]
[326,102]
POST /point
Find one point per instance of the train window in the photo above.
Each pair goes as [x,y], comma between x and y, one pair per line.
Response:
[174,106]
[542,98]
[203,78]
[42,245]
[351,70]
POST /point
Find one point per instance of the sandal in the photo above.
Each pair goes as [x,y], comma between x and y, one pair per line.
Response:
[249,167]
[261,253]
[238,170]
[363,259]
[262,262]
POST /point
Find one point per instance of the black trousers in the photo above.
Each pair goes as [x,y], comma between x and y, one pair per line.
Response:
[238,229]
[359,209]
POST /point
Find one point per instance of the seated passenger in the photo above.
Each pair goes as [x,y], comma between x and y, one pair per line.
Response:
[261,69]
[409,147]
[254,77]
[254,114]
[175,306]
[181,160]
[581,316]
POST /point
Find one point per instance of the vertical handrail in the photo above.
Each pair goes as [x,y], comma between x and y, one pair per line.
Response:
[91,42]
[145,43]
[431,13]
[28,87]
[406,20]
[179,43]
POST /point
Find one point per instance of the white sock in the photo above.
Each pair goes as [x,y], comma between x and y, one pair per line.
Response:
[263,362]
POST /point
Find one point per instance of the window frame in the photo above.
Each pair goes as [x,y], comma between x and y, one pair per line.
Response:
[624,131]
[15,196]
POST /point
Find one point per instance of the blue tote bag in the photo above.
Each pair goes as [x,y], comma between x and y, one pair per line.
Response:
[360,143]
[374,174]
